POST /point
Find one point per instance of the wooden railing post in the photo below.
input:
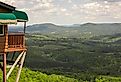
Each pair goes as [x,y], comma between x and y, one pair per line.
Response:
[16,39]
[4,67]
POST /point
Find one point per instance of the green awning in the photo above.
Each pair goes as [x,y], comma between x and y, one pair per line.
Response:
[20,16]
[13,18]
[7,18]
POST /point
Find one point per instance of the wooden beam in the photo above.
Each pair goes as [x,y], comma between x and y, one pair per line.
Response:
[4,67]
[13,66]
[21,65]
[15,49]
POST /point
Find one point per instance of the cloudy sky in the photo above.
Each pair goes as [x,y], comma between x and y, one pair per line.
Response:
[69,11]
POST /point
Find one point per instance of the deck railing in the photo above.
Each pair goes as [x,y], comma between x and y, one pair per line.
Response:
[16,40]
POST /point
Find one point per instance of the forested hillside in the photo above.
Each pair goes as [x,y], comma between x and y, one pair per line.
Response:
[75,57]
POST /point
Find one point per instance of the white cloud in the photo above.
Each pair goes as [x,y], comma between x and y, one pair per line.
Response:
[68,14]
[105,2]
[10,2]
[74,6]
[69,1]
[43,5]
[63,9]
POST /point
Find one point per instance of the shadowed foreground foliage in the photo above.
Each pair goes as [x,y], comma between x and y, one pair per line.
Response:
[35,76]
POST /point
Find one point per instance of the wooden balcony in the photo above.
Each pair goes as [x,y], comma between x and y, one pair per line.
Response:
[16,42]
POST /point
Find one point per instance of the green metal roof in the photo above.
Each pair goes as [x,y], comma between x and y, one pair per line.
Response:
[20,16]
[7,18]
[13,18]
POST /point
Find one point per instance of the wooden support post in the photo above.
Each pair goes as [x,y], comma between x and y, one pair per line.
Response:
[24,32]
[13,66]
[21,65]
[24,27]
[4,67]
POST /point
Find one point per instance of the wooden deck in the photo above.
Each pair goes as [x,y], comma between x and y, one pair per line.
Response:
[13,50]
[15,42]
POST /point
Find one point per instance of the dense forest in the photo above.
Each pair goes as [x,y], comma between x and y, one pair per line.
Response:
[82,59]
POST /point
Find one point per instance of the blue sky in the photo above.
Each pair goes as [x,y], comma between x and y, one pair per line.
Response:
[69,11]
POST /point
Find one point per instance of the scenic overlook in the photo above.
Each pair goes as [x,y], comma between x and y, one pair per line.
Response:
[60,41]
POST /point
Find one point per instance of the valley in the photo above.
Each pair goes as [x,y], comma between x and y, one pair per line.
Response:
[88,52]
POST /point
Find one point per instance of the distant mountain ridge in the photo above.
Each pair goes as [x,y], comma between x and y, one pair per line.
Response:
[97,29]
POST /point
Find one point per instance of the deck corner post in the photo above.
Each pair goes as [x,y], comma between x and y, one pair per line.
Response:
[4,67]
